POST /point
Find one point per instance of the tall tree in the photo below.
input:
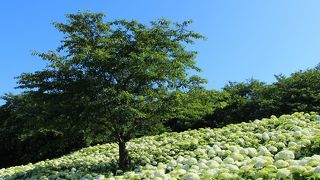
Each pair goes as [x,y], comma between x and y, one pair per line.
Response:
[26,137]
[195,108]
[298,92]
[240,103]
[120,76]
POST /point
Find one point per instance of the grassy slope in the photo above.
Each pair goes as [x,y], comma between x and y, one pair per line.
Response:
[263,148]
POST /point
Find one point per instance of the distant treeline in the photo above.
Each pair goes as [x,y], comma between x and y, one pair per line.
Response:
[33,130]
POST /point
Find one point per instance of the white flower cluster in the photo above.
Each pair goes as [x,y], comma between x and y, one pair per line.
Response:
[265,149]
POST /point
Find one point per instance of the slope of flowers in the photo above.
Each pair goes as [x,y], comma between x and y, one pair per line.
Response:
[274,148]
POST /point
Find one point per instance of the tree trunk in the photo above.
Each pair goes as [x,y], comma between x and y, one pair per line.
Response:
[123,155]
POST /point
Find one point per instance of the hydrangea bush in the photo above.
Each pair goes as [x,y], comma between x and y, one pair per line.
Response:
[273,148]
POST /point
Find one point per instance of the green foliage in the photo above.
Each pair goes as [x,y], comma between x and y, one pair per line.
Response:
[120,76]
[314,148]
[232,152]
[239,101]
[299,92]
[250,100]
[194,107]
[26,138]
[316,144]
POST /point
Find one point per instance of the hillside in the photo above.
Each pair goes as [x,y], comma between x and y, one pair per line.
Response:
[284,147]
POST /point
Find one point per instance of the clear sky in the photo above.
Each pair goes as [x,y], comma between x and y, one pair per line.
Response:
[245,38]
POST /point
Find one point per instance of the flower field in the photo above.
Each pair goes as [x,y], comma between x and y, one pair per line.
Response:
[275,148]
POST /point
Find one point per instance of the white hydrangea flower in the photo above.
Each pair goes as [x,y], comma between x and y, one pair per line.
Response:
[296,128]
[73,169]
[260,163]
[218,159]
[236,156]
[159,172]
[265,136]
[280,144]
[216,148]
[317,170]
[186,166]
[284,155]
[220,153]
[272,167]
[297,134]
[212,164]
[273,149]
[181,171]
[244,151]
[258,135]
[212,153]
[252,152]
[210,174]
[303,162]
[240,141]
[180,159]
[200,151]
[191,176]
[263,151]
[292,144]
[195,167]
[293,162]
[231,167]
[228,160]
[226,175]
[202,165]
[297,169]
[283,174]
[192,161]
[305,142]
[281,164]
[316,158]
[172,163]
[233,148]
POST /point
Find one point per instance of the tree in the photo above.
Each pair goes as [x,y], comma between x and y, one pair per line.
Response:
[254,99]
[120,76]
[240,103]
[24,135]
[297,93]
[194,107]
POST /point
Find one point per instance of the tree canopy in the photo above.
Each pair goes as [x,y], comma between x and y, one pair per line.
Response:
[121,75]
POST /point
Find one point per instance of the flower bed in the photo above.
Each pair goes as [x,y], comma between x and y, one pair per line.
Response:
[268,148]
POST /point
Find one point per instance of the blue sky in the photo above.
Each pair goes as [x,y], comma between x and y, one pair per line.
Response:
[245,38]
